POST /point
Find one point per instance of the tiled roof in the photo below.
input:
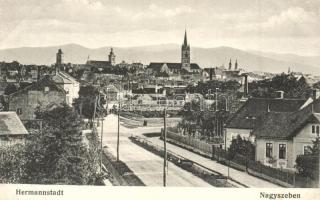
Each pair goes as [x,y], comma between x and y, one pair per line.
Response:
[63,78]
[99,63]
[39,86]
[157,65]
[194,66]
[254,108]
[276,125]
[10,124]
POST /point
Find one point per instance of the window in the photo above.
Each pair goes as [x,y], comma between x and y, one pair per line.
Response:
[46,89]
[269,150]
[315,129]
[282,151]
[19,111]
[306,149]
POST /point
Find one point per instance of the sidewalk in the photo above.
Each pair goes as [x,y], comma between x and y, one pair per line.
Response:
[242,177]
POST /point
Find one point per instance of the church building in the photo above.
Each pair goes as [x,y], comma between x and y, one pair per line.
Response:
[185,67]
[102,64]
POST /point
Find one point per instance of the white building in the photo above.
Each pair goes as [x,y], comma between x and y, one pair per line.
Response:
[69,84]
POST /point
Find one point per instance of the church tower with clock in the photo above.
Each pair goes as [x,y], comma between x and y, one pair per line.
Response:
[185,53]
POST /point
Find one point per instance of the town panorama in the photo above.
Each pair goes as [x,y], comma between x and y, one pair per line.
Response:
[112,122]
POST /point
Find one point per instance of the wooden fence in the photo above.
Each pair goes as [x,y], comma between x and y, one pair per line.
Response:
[240,162]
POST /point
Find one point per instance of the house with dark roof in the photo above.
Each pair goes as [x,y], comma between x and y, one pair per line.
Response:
[12,130]
[281,136]
[43,94]
[246,118]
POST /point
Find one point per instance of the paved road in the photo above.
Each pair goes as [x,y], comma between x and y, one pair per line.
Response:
[147,166]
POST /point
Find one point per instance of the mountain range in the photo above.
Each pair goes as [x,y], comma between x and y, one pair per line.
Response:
[206,57]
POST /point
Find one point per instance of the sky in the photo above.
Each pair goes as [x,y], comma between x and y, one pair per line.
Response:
[281,26]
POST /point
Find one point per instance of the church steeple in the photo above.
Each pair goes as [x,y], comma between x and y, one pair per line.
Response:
[185,53]
[185,42]
[112,57]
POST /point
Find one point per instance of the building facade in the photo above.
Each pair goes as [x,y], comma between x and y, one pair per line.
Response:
[284,136]
[41,95]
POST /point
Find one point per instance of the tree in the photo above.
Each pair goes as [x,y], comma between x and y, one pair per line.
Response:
[58,156]
[11,88]
[12,163]
[291,85]
[308,164]
[209,123]
[242,147]
[86,102]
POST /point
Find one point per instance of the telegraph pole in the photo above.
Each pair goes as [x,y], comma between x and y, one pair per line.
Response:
[165,147]
[216,98]
[318,158]
[94,111]
[101,148]
[118,136]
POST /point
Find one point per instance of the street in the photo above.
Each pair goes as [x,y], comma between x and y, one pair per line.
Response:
[146,165]
[149,167]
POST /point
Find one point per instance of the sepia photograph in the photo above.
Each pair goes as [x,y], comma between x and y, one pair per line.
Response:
[178,94]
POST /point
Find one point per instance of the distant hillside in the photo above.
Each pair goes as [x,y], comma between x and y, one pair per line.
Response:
[205,57]
[308,60]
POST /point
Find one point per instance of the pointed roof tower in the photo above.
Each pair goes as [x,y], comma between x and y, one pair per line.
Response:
[185,42]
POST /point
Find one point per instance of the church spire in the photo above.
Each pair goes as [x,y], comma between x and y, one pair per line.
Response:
[185,43]
[185,53]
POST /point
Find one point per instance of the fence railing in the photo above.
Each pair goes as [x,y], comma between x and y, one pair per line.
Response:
[241,162]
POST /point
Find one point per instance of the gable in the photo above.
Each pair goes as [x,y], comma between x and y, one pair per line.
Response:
[10,124]
[164,68]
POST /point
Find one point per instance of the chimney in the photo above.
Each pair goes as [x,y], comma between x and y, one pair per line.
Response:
[315,94]
[236,65]
[38,73]
[280,94]
[246,85]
